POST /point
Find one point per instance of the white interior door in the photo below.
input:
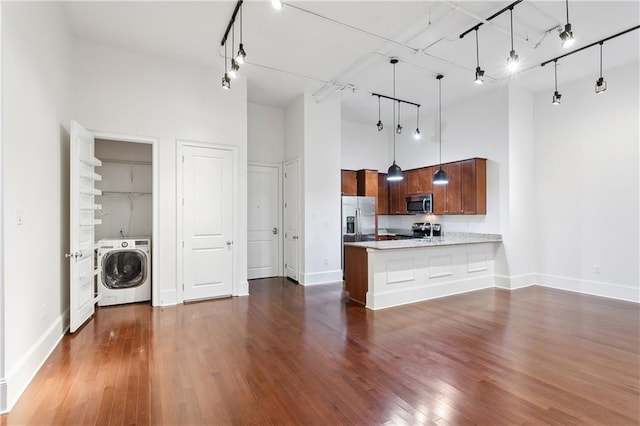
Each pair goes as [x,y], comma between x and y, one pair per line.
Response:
[291,219]
[207,222]
[263,217]
[82,216]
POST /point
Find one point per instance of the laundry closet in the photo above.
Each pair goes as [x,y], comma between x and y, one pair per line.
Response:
[123,238]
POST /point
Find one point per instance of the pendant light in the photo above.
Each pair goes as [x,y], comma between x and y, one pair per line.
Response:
[601,84]
[513,61]
[416,134]
[395,172]
[440,178]
[567,35]
[399,128]
[241,55]
[556,95]
[277,4]
[379,123]
[479,72]
[233,72]
[226,82]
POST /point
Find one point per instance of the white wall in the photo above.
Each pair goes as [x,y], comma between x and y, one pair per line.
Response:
[36,58]
[587,186]
[364,147]
[322,235]
[128,93]
[265,134]
[127,185]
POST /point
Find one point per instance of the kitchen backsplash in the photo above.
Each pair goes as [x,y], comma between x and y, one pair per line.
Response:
[449,223]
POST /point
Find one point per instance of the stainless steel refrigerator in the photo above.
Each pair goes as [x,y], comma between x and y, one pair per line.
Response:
[358,220]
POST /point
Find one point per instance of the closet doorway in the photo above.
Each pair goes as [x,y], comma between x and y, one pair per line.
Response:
[128,217]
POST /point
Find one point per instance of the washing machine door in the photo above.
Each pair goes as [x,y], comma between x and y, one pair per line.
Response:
[124,269]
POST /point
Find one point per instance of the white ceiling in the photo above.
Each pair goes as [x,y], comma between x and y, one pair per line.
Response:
[342,48]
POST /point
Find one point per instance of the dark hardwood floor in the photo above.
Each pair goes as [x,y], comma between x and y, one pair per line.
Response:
[294,355]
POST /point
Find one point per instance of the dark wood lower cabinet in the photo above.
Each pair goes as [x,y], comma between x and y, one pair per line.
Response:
[355,273]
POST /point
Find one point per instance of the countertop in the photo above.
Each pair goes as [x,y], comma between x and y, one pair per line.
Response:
[450,239]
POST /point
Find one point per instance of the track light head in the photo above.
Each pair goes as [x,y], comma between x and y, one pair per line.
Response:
[601,85]
[513,61]
[233,72]
[440,178]
[277,4]
[380,125]
[556,98]
[416,134]
[241,55]
[567,36]
[394,173]
[399,129]
[479,76]
[226,82]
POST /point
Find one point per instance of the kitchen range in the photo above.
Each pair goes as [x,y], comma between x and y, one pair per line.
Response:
[421,230]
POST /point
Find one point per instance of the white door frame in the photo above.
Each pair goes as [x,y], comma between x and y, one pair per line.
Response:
[280,212]
[155,237]
[297,219]
[180,144]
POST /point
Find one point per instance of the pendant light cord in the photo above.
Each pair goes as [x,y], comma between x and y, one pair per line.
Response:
[567,3]
[601,43]
[241,24]
[555,73]
[511,18]
[379,109]
[440,117]
[225,57]
[394,114]
[477,50]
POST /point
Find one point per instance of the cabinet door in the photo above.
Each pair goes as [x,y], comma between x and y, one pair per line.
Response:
[425,177]
[349,185]
[382,201]
[474,186]
[453,203]
[413,181]
[367,183]
[397,194]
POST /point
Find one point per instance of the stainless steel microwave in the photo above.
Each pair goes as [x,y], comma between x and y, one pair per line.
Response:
[420,203]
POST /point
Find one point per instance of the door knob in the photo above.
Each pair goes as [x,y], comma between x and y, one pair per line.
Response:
[295,237]
[229,243]
[274,231]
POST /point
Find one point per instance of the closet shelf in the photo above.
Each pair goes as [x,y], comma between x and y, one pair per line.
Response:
[90,191]
[126,193]
[92,161]
[134,162]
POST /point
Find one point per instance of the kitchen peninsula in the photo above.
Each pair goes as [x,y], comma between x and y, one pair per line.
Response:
[381,274]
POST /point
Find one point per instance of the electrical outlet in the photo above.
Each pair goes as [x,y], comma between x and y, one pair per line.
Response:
[596,269]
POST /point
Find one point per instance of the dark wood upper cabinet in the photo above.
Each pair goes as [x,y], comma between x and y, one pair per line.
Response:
[349,182]
[367,183]
[474,186]
[382,202]
[466,192]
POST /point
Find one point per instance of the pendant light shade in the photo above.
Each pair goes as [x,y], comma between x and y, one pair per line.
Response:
[395,172]
[440,178]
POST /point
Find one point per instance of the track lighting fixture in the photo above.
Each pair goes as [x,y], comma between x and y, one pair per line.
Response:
[513,62]
[241,55]
[379,123]
[556,95]
[601,84]
[440,178]
[567,35]
[277,4]
[395,172]
[479,71]
[399,127]
[416,134]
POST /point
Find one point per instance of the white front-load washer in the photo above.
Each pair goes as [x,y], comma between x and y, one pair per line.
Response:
[124,267]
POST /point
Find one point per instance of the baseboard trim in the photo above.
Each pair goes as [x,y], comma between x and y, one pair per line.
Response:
[243,288]
[3,396]
[320,278]
[593,288]
[168,297]
[32,361]
[513,282]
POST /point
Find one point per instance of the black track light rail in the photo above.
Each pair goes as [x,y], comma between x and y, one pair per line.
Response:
[495,15]
[231,22]
[395,99]
[591,45]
